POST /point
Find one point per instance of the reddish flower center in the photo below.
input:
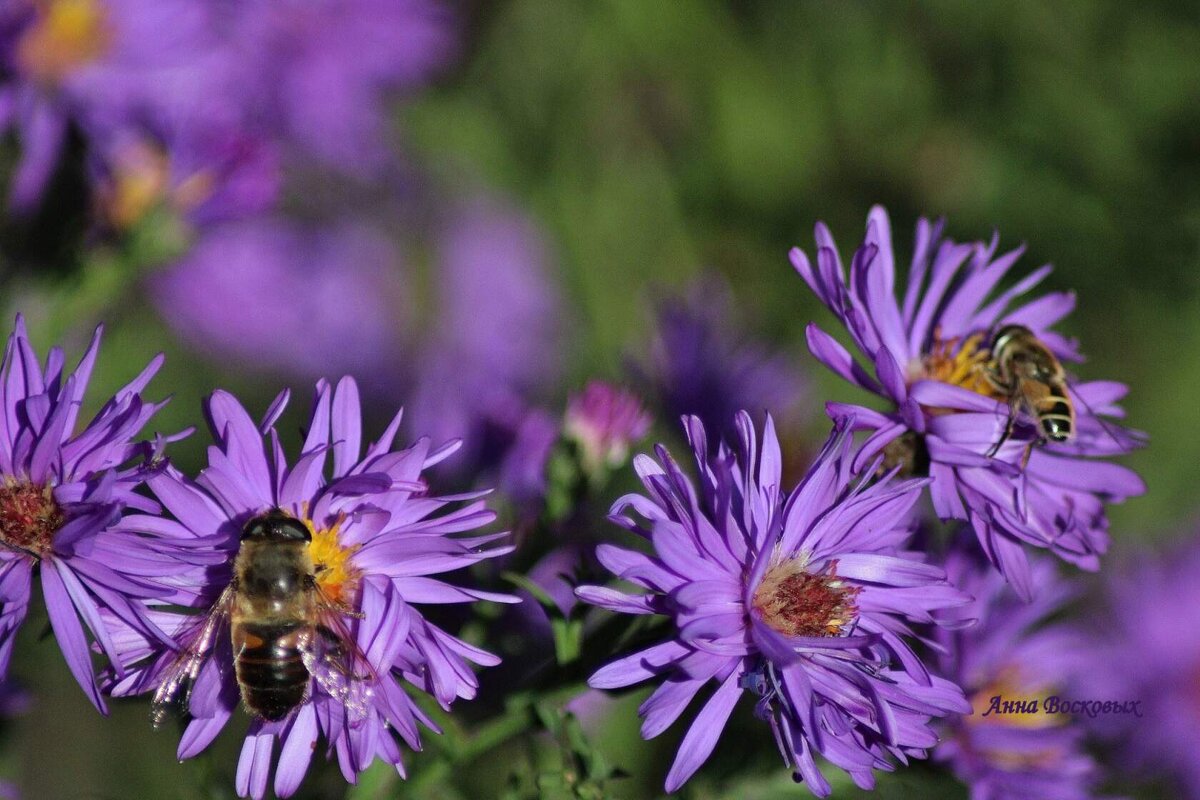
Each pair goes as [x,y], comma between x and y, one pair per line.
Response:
[29,516]
[797,602]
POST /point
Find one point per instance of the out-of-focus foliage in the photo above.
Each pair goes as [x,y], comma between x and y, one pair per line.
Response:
[653,141]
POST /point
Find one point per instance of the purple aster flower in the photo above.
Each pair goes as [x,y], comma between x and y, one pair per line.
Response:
[701,363]
[1011,655]
[803,599]
[603,422]
[377,540]
[929,357]
[1146,649]
[63,491]
[100,66]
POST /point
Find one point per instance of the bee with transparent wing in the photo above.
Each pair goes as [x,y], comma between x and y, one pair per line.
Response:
[285,632]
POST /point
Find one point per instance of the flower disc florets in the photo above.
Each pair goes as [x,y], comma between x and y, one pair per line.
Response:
[29,516]
[1014,745]
[797,602]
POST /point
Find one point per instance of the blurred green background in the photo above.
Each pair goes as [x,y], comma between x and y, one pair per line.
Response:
[655,140]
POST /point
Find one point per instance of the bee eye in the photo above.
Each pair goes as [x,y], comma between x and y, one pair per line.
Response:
[255,528]
[293,530]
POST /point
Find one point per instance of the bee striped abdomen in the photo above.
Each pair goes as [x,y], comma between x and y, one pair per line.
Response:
[1057,418]
[269,666]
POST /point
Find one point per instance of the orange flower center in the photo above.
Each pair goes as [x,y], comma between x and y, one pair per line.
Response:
[960,363]
[335,571]
[66,35]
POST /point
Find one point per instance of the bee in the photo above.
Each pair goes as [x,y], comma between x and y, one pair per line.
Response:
[284,631]
[1024,371]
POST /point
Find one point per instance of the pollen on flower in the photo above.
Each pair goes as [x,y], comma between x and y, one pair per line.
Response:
[335,572]
[960,363]
[797,602]
[65,35]
[29,516]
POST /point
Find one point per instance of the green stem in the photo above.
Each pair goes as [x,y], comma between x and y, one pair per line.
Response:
[518,718]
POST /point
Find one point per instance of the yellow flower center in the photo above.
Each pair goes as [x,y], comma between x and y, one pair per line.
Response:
[141,181]
[961,364]
[335,572]
[1010,687]
[66,35]
[797,602]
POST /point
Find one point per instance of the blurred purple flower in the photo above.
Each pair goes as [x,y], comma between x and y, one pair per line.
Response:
[62,493]
[604,421]
[1009,653]
[101,66]
[203,175]
[315,73]
[926,357]
[377,538]
[496,344]
[1146,647]
[701,363]
[273,294]
[803,598]
[522,476]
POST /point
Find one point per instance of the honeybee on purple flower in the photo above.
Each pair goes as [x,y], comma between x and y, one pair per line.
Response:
[979,400]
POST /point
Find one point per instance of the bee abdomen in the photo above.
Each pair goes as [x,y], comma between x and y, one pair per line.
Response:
[270,669]
[1056,417]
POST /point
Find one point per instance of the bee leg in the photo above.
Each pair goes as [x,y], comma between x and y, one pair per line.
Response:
[1008,429]
[1027,454]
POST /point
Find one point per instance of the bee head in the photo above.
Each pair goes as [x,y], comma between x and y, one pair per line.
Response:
[275,526]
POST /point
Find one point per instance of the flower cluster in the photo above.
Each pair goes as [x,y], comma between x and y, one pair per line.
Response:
[120,569]
[201,119]
[957,414]
[298,587]
[807,598]
[219,132]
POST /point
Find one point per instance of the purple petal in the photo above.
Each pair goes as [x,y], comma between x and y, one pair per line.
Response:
[702,736]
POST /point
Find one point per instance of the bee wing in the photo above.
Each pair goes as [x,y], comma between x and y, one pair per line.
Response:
[334,659]
[181,673]
[1120,438]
